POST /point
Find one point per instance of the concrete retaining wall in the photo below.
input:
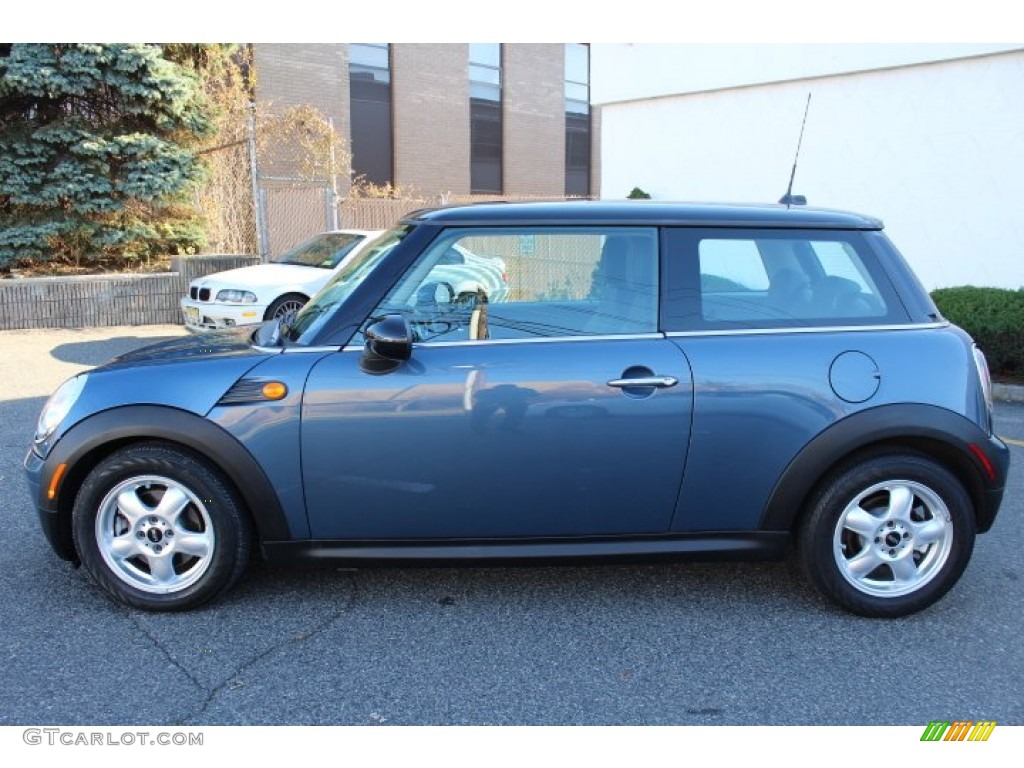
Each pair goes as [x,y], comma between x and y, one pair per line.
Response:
[98,300]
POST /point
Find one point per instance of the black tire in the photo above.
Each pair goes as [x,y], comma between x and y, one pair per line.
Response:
[284,304]
[170,556]
[888,534]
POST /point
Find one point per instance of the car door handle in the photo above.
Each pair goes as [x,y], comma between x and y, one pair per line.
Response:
[645,381]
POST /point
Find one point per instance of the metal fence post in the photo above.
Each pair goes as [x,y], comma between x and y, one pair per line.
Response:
[333,222]
[258,201]
[263,231]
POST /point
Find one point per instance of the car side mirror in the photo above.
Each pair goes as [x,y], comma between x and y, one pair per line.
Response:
[388,344]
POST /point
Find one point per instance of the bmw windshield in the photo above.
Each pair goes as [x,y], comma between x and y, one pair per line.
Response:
[312,317]
[325,250]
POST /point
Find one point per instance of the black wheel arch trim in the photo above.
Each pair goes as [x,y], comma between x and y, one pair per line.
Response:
[929,429]
[87,442]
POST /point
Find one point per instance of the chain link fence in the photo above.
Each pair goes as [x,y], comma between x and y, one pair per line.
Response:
[381,213]
[273,182]
[291,210]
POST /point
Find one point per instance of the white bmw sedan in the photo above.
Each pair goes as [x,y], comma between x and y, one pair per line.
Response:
[250,295]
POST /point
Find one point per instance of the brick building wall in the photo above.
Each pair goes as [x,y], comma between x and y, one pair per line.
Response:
[534,118]
[288,74]
[294,75]
[430,122]
[430,108]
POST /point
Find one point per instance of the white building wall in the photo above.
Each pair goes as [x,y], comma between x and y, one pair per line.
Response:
[627,71]
[935,150]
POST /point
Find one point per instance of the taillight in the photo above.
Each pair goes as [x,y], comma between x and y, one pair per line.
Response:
[986,382]
[985,463]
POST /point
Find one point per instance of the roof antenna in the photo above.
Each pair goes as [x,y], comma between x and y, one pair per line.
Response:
[789,198]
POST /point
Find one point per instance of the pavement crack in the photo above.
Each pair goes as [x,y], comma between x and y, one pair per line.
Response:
[296,639]
[164,650]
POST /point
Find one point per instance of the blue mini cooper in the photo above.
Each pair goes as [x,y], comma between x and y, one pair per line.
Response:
[654,381]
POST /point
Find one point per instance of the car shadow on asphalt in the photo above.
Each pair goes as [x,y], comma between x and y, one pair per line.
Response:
[99,352]
[767,587]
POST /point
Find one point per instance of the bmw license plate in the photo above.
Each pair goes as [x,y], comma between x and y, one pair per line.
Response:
[192,315]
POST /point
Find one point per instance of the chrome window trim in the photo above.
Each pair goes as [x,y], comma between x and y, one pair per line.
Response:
[334,348]
[670,335]
[289,350]
[541,340]
[806,329]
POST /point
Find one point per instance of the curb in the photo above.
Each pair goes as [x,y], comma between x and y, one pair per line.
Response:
[1007,393]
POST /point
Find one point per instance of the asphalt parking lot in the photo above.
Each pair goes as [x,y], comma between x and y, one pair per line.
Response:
[691,644]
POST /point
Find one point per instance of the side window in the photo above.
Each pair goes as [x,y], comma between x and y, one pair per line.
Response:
[728,266]
[840,260]
[723,279]
[521,283]
[735,285]
[781,278]
[844,287]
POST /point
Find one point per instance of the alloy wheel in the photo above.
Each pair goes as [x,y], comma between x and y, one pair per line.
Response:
[893,538]
[155,534]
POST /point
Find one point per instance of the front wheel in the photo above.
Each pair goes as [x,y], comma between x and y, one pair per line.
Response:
[887,535]
[159,529]
[290,302]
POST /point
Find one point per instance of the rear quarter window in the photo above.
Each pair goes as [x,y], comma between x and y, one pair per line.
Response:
[721,279]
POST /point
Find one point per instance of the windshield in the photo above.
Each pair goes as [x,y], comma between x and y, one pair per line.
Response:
[325,250]
[312,317]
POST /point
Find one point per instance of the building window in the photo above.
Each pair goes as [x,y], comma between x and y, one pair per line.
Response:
[577,119]
[369,73]
[485,117]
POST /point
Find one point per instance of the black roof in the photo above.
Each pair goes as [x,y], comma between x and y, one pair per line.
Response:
[644,212]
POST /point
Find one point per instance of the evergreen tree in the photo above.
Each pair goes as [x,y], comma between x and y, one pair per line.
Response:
[95,158]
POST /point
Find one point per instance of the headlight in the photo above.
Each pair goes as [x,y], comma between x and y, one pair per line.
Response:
[58,406]
[235,296]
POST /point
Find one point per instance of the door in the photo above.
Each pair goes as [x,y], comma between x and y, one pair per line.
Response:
[496,440]
[523,411]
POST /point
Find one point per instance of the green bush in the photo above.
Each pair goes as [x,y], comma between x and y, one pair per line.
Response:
[638,194]
[994,317]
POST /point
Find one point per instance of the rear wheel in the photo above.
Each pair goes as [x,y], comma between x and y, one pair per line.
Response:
[159,529]
[888,535]
[290,302]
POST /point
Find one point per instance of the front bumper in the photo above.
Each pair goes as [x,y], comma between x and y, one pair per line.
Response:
[206,316]
[39,474]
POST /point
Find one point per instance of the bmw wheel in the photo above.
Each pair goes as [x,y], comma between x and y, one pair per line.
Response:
[283,305]
[159,529]
[888,535]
